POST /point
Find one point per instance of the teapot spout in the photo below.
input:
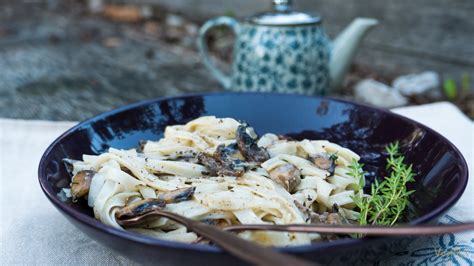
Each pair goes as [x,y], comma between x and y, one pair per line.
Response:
[345,46]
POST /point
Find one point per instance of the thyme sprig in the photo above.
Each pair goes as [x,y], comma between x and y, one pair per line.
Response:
[356,170]
[388,198]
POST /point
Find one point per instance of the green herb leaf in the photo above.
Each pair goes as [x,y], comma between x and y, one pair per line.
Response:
[389,197]
[450,89]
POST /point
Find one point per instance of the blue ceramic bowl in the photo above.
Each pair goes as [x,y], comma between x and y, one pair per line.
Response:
[441,179]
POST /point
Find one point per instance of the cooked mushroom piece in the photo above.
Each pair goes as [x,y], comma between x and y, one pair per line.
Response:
[177,195]
[286,175]
[232,159]
[333,217]
[229,152]
[247,143]
[325,161]
[234,168]
[139,208]
[225,161]
[81,183]
[218,167]
[212,164]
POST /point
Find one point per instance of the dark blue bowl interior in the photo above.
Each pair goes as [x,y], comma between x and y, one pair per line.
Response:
[441,170]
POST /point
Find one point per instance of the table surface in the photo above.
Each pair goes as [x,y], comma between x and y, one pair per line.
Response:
[33,232]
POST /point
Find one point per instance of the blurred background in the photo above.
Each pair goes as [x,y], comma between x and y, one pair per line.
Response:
[72,59]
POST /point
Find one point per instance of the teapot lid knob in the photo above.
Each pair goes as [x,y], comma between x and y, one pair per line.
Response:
[282,5]
[283,15]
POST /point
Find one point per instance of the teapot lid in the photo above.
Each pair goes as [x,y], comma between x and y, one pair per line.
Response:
[283,15]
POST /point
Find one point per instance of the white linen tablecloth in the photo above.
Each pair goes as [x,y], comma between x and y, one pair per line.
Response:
[33,232]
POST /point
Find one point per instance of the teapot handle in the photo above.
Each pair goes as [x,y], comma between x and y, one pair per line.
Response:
[203,49]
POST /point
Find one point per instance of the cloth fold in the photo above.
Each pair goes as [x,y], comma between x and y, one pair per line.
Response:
[33,232]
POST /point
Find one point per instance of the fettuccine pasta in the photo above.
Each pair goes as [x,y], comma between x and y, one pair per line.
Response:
[218,171]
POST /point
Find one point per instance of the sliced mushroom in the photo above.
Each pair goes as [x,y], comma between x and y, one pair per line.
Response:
[325,161]
[218,167]
[334,217]
[177,195]
[286,175]
[234,168]
[232,159]
[81,183]
[139,208]
[228,153]
[247,143]
[211,163]
[225,161]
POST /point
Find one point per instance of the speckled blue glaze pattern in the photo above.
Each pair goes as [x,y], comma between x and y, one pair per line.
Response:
[285,59]
[281,59]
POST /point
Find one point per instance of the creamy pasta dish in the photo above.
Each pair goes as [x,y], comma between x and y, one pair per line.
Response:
[219,171]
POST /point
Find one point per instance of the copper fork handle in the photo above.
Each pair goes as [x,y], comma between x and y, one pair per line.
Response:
[406,230]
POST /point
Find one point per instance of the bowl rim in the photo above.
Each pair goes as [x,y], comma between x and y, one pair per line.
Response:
[97,225]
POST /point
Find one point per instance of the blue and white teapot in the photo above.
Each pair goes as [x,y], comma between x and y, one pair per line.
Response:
[285,51]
